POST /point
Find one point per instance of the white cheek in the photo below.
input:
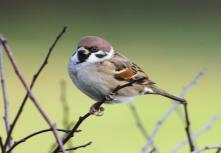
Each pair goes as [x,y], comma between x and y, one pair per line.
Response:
[94,59]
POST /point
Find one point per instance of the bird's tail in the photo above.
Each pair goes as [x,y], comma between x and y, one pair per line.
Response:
[164,93]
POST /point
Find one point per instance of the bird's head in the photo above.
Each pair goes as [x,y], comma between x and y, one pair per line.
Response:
[92,49]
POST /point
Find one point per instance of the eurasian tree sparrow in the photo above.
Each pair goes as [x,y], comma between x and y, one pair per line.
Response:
[97,69]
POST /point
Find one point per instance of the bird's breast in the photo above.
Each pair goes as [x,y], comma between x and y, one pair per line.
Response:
[89,80]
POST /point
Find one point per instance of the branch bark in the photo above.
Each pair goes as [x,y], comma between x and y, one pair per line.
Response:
[207,148]
[1,144]
[5,96]
[33,135]
[78,147]
[30,93]
[187,128]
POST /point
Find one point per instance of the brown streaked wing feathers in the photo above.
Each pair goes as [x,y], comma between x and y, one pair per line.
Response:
[129,71]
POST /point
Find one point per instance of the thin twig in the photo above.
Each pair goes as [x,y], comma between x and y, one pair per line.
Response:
[158,125]
[152,150]
[218,150]
[45,62]
[5,96]
[71,134]
[30,93]
[141,126]
[138,120]
[196,134]
[1,144]
[186,89]
[187,128]
[65,107]
[98,105]
[78,147]
[32,135]
[207,148]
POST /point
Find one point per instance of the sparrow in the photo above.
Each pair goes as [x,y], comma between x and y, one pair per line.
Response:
[96,68]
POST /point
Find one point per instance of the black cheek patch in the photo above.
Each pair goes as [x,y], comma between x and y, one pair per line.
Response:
[82,57]
[100,55]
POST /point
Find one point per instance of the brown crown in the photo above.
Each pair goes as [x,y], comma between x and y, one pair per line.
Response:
[93,41]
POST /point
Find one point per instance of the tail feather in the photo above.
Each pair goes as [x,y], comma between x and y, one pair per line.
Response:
[166,94]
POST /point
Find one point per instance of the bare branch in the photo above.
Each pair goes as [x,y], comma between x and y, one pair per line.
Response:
[75,128]
[1,144]
[152,150]
[138,120]
[207,148]
[29,91]
[98,105]
[196,134]
[5,96]
[65,107]
[78,147]
[198,77]
[218,150]
[141,126]
[187,128]
[33,82]
[32,135]
[200,74]
[171,109]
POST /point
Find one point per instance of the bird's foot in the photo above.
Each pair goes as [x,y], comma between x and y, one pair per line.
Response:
[110,97]
[96,109]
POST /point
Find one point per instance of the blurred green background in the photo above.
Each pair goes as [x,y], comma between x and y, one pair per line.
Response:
[171,40]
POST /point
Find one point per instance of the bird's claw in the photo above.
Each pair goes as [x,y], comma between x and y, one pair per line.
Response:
[109,97]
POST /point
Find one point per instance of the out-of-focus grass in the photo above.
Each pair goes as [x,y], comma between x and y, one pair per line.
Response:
[170,45]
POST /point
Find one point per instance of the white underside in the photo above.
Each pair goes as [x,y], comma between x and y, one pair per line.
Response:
[121,99]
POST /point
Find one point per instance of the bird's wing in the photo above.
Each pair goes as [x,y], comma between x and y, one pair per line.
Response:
[128,71]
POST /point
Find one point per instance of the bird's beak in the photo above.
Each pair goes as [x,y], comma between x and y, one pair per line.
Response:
[82,51]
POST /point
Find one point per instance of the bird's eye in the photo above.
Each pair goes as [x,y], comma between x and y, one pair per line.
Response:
[94,49]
